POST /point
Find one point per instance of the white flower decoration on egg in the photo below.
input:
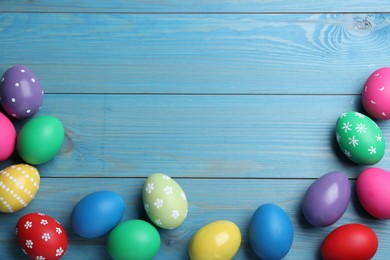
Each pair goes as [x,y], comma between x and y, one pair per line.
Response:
[168,201]
[158,203]
[168,190]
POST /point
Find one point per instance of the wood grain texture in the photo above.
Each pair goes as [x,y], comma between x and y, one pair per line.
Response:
[209,200]
[237,100]
[198,136]
[193,6]
[197,53]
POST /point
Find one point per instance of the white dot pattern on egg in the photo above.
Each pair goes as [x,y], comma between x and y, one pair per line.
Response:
[17,187]
[164,201]
[21,92]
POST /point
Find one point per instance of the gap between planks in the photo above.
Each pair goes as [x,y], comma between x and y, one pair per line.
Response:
[199,94]
[186,178]
[190,13]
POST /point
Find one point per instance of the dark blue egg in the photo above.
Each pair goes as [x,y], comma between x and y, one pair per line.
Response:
[97,213]
[270,232]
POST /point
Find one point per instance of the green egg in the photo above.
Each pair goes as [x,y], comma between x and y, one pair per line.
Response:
[164,201]
[360,138]
[40,139]
[133,239]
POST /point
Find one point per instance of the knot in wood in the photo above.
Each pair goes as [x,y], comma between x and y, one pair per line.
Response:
[363,24]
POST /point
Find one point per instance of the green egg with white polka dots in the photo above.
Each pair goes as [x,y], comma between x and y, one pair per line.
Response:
[164,201]
[360,138]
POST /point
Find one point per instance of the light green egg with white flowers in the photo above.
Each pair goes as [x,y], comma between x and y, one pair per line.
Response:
[164,201]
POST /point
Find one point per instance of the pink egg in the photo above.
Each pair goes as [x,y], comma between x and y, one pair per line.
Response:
[7,137]
[373,191]
[376,94]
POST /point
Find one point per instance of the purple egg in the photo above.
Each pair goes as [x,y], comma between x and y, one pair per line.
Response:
[327,199]
[20,92]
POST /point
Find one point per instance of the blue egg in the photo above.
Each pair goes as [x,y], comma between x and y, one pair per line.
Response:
[270,232]
[97,213]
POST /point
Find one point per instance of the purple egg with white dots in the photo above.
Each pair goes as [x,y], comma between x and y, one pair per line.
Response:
[21,93]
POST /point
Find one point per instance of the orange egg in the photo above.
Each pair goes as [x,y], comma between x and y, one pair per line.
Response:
[19,184]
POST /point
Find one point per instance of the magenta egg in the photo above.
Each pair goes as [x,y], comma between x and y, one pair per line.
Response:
[376,94]
[372,187]
[326,199]
[7,137]
[20,92]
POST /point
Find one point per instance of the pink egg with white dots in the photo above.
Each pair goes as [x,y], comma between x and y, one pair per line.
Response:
[376,94]
[20,92]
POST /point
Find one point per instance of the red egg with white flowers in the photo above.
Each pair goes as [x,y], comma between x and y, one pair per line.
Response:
[350,241]
[41,237]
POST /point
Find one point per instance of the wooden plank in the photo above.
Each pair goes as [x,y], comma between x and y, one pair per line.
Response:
[193,6]
[234,136]
[197,53]
[209,200]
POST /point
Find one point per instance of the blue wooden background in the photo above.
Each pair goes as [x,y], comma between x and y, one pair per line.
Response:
[236,100]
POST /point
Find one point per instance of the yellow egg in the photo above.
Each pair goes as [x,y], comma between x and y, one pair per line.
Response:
[19,184]
[217,240]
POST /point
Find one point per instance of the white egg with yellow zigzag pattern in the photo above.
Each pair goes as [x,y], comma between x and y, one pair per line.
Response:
[19,184]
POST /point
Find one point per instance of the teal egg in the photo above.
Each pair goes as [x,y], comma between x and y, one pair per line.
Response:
[133,239]
[360,138]
[40,139]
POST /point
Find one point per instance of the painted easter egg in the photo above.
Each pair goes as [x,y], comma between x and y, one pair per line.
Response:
[20,92]
[376,94]
[133,239]
[97,213]
[7,137]
[270,232]
[165,201]
[19,184]
[360,138]
[350,241]
[326,199]
[40,139]
[217,240]
[41,237]
[372,187]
